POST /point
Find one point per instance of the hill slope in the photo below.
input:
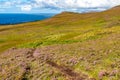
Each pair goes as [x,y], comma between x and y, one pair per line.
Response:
[68,46]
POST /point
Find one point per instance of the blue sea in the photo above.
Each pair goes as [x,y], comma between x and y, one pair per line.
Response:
[7,19]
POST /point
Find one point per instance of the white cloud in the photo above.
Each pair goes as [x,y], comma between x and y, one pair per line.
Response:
[26,7]
[6,4]
[77,4]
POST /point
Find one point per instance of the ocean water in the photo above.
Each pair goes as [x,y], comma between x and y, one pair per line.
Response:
[7,19]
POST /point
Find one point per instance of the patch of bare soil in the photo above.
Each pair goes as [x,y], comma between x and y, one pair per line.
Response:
[67,71]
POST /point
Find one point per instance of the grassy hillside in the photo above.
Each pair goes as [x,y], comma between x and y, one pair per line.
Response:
[68,46]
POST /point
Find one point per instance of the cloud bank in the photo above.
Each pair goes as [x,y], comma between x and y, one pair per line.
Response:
[64,5]
[26,8]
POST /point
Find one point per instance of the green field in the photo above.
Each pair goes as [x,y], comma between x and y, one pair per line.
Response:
[77,47]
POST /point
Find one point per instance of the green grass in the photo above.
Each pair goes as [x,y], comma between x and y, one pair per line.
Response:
[92,36]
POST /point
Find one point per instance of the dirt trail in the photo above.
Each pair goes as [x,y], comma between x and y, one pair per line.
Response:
[67,71]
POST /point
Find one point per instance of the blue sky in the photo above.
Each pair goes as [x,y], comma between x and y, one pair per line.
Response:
[55,6]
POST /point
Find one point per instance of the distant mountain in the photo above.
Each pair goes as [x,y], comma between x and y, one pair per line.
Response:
[88,18]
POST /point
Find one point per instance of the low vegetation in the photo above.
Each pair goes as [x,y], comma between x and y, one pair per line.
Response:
[68,46]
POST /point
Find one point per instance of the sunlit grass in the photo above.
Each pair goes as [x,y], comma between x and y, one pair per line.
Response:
[94,38]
